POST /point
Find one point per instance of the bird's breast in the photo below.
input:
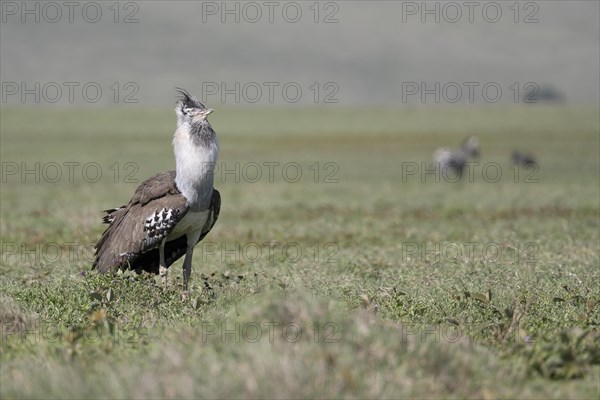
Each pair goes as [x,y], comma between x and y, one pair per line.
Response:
[191,222]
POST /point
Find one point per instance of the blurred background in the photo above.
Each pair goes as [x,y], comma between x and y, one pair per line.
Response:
[367,49]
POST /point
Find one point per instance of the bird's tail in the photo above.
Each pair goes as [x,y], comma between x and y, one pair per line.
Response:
[110,214]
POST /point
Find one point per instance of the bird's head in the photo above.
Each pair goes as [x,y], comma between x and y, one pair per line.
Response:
[190,110]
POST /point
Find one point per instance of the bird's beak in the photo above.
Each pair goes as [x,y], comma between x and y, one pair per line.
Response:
[202,114]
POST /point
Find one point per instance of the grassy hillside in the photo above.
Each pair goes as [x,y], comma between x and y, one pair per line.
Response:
[360,277]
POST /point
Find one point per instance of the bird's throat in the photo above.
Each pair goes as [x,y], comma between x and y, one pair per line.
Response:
[195,161]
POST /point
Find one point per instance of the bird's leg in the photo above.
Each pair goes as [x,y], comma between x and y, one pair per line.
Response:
[187,262]
[162,265]
[187,267]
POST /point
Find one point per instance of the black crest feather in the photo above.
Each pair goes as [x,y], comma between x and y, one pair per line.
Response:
[187,100]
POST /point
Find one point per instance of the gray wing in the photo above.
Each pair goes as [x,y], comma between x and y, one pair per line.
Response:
[215,210]
[175,249]
[140,226]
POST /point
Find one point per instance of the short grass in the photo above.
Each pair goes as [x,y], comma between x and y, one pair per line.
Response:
[356,279]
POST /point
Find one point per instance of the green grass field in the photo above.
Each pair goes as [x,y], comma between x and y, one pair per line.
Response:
[355,279]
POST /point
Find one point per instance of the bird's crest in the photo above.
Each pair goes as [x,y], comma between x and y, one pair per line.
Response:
[186,100]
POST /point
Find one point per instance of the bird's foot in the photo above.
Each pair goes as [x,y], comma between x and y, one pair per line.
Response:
[163,272]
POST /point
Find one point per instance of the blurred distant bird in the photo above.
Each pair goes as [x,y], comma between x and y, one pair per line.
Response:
[170,212]
[445,159]
[524,160]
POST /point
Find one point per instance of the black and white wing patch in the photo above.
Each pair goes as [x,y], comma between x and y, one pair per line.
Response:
[159,224]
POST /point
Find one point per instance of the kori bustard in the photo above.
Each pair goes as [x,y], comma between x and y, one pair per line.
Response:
[171,212]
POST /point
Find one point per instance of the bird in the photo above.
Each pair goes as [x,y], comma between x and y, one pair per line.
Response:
[522,159]
[445,159]
[172,211]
